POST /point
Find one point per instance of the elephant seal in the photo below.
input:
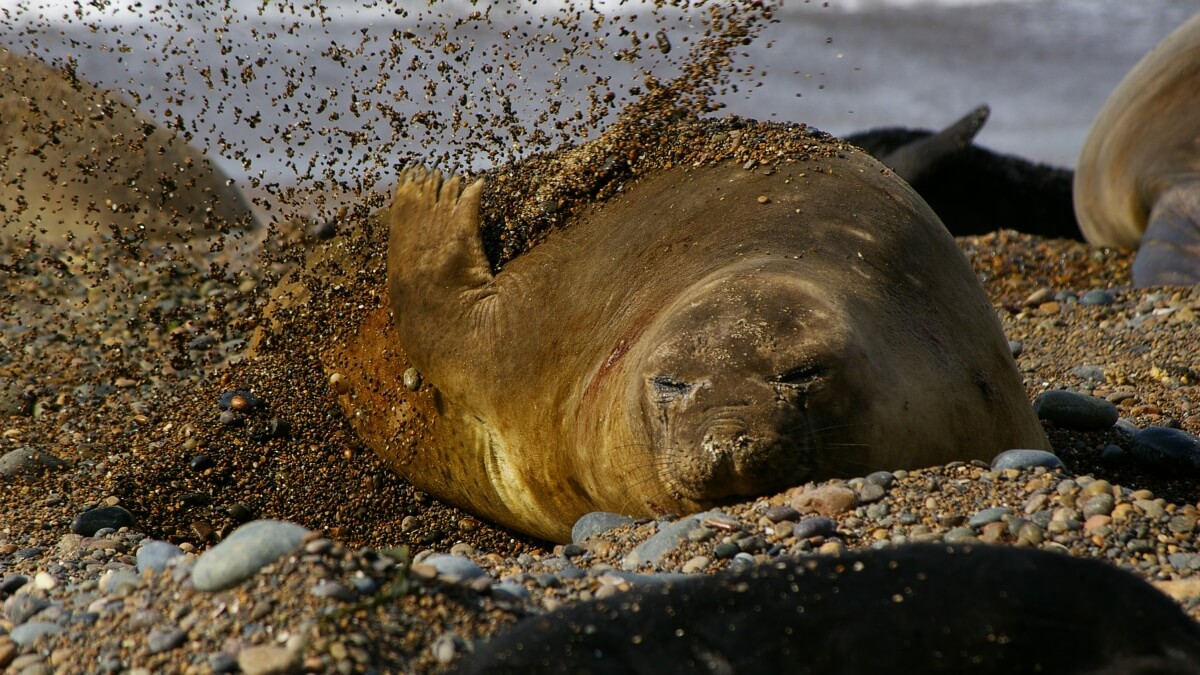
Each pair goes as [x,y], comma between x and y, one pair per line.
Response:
[79,160]
[912,609]
[972,189]
[1137,184]
[710,333]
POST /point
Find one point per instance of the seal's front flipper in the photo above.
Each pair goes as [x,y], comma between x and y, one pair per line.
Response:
[1169,254]
[438,274]
[912,160]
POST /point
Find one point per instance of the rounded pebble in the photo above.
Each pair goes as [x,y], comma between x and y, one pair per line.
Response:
[156,555]
[818,526]
[27,633]
[991,515]
[1069,410]
[163,640]
[1026,459]
[1166,449]
[411,379]
[596,522]
[93,520]
[26,461]
[1097,297]
[244,552]
[454,567]
[827,500]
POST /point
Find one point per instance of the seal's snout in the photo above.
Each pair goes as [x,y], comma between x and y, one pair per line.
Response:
[732,460]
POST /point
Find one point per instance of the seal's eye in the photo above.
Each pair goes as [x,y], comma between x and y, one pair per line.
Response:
[667,388]
[801,376]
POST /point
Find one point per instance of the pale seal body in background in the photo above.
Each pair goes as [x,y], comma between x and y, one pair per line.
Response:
[1137,184]
[79,160]
[709,335]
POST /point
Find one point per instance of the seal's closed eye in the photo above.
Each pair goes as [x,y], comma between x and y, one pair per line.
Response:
[667,388]
[801,376]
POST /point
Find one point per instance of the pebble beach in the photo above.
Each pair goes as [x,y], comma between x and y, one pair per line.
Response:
[123,469]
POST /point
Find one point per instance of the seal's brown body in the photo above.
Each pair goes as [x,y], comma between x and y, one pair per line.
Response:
[1137,184]
[712,333]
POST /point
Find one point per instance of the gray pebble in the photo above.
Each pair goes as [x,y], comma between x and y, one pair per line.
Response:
[883,479]
[12,582]
[1026,459]
[27,553]
[817,526]
[1126,427]
[119,582]
[27,633]
[1112,454]
[1069,410]
[650,580]
[741,561]
[870,492]
[992,515]
[222,662]
[597,522]
[1100,505]
[510,590]
[960,535]
[1016,347]
[244,552]
[1089,373]
[1097,297]
[1184,561]
[780,512]
[454,567]
[1166,449]
[725,550]
[332,589]
[26,461]
[156,555]
[21,608]
[93,520]
[651,551]
[164,639]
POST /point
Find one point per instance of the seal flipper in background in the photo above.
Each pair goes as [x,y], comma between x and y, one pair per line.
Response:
[914,160]
[1170,245]
[974,190]
[909,609]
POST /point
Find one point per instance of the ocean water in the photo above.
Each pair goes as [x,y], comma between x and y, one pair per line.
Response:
[286,91]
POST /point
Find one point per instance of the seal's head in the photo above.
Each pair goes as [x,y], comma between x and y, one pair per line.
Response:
[741,386]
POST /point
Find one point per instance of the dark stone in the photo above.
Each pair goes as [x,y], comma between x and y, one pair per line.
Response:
[816,526]
[955,601]
[200,463]
[1069,410]
[91,521]
[1166,449]
[781,512]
